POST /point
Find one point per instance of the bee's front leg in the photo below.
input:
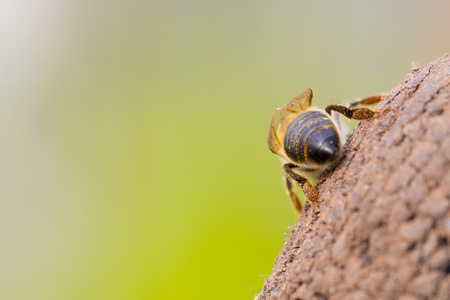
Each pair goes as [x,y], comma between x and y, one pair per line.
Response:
[351,112]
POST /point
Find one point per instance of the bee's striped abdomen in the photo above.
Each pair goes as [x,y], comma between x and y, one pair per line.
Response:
[312,137]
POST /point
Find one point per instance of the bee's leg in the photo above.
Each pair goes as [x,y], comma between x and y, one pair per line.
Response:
[290,191]
[310,191]
[365,101]
[350,112]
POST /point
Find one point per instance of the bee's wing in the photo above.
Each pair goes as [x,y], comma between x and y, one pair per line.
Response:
[282,116]
[273,141]
[298,104]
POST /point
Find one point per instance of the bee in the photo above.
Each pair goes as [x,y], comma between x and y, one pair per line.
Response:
[310,140]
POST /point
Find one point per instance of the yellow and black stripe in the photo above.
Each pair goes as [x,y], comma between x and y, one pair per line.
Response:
[312,138]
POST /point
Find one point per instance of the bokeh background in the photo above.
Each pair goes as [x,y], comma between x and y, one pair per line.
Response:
[134,162]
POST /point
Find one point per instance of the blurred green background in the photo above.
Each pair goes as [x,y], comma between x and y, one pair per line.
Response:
[134,162]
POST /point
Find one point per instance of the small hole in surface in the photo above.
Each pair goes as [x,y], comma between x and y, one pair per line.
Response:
[442,241]
[437,112]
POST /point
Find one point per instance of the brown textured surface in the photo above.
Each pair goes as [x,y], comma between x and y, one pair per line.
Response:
[383,231]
